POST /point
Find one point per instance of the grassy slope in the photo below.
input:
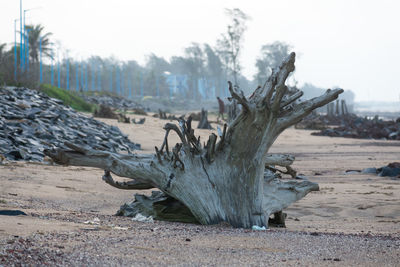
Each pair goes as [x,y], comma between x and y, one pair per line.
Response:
[69,98]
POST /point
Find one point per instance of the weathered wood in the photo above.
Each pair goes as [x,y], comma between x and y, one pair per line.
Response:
[203,123]
[228,181]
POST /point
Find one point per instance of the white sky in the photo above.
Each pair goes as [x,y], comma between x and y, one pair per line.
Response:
[353,44]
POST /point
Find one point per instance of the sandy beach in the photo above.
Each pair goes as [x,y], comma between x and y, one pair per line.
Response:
[353,220]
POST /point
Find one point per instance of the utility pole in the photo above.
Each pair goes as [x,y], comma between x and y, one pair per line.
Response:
[77,77]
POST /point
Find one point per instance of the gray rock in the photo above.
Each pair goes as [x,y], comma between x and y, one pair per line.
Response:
[31,122]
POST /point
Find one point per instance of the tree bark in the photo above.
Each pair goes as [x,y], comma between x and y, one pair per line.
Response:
[224,180]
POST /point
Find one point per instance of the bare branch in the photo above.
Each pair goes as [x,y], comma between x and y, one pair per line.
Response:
[221,143]
[171,126]
[130,185]
[305,108]
[279,159]
[291,99]
[175,151]
[158,153]
[211,147]
[240,98]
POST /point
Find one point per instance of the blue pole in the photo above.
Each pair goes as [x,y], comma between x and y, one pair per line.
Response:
[77,77]
[20,31]
[58,74]
[40,55]
[157,87]
[82,84]
[24,44]
[86,78]
[67,74]
[52,68]
[15,49]
[121,77]
[141,85]
[93,76]
[111,81]
[117,80]
[129,87]
[99,81]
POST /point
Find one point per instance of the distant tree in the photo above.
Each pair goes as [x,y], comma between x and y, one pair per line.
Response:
[230,44]
[214,67]
[6,64]
[156,67]
[271,57]
[195,64]
[35,34]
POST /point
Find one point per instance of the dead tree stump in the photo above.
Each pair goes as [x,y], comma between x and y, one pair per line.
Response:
[203,123]
[223,179]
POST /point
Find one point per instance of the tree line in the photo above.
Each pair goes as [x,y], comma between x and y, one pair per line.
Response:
[202,71]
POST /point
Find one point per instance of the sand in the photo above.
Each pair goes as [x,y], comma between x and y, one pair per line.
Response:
[354,219]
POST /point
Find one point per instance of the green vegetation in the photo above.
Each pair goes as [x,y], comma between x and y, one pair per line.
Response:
[69,98]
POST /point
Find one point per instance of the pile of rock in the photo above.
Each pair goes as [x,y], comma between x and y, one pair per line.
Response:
[31,121]
[112,101]
[364,128]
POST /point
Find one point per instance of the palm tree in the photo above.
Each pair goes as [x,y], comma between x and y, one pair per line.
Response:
[35,34]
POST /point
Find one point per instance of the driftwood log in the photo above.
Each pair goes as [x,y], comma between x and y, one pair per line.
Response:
[225,178]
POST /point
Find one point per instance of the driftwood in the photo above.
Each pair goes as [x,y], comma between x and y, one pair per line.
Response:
[282,160]
[104,111]
[223,179]
[164,116]
[140,121]
[204,123]
[123,118]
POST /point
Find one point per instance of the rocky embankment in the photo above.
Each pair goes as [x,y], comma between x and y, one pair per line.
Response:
[30,122]
[112,101]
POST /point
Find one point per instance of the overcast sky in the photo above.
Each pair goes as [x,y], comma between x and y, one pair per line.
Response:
[353,44]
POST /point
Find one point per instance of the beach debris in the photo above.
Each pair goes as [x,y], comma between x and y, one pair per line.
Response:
[95,221]
[12,212]
[352,126]
[123,118]
[141,218]
[164,116]
[140,121]
[104,111]
[44,123]
[139,111]
[390,170]
[258,228]
[196,116]
[115,102]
